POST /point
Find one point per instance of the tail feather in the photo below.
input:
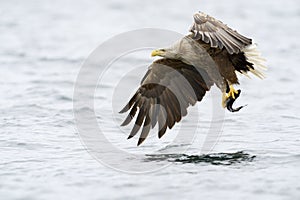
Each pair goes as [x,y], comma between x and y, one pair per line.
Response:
[254,57]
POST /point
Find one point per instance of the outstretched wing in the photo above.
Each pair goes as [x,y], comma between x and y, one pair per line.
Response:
[167,90]
[217,34]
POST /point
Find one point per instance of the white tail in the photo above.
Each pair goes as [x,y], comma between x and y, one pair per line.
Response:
[253,56]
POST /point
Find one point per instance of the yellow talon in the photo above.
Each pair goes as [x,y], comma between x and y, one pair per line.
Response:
[232,92]
[229,98]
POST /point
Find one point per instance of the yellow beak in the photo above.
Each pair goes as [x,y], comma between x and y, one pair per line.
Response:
[156,53]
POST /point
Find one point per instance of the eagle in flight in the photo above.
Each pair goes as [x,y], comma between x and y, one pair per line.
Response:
[212,53]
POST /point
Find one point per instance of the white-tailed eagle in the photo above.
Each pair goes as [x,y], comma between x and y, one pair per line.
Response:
[211,54]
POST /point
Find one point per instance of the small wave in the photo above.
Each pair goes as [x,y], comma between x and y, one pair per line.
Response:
[64,98]
[61,59]
[290,117]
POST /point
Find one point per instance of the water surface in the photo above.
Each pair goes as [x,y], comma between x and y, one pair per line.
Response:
[44,43]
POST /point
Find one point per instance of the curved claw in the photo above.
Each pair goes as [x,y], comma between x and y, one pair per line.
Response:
[229,103]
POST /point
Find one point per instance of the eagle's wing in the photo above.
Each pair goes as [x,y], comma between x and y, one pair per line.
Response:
[167,90]
[217,34]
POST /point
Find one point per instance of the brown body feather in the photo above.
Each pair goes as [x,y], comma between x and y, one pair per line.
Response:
[228,63]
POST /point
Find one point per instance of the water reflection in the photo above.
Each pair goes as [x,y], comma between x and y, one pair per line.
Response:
[214,159]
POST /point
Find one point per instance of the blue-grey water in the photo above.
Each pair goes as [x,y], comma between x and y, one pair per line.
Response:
[42,47]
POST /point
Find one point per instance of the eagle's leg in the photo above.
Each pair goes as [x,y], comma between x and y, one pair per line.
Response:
[229,98]
[224,99]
